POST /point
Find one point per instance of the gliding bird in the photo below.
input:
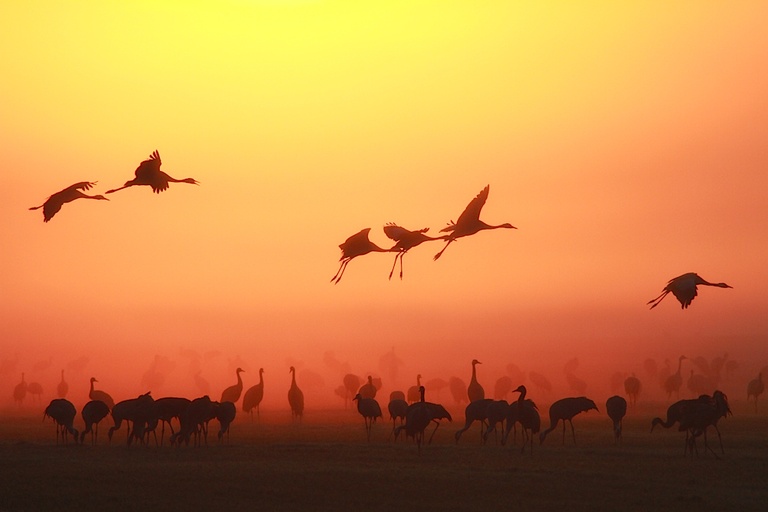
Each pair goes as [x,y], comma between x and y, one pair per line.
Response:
[54,203]
[684,289]
[148,173]
[469,221]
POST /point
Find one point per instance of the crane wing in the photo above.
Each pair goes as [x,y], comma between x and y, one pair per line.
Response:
[83,185]
[472,212]
[394,231]
[398,233]
[150,166]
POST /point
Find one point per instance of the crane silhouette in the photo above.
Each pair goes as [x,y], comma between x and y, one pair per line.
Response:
[700,415]
[475,391]
[684,289]
[418,417]
[565,409]
[367,390]
[148,173]
[405,241]
[62,388]
[632,387]
[93,412]
[398,408]
[225,413]
[525,412]
[354,246]
[63,413]
[369,409]
[233,392]
[97,394]
[295,397]
[617,409]
[673,382]
[469,221]
[414,395]
[253,396]
[53,204]
[20,391]
[755,388]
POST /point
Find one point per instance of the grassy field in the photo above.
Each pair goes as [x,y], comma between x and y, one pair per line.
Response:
[326,464]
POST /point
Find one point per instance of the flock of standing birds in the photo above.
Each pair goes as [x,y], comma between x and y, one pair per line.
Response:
[145,413]
[409,412]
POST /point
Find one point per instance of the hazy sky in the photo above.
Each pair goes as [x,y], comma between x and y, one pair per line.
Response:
[625,140]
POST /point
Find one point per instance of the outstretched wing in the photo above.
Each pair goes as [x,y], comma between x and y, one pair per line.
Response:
[472,212]
[395,232]
[83,185]
[149,167]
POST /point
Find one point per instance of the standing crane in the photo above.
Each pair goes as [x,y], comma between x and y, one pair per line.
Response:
[148,173]
[475,391]
[295,397]
[254,395]
[755,388]
[673,382]
[565,409]
[233,392]
[53,204]
[62,388]
[469,221]
[97,394]
[369,409]
[617,409]
[684,289]
[406,240]
[354,246]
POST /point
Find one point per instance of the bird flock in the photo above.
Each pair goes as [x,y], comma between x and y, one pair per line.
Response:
[415,414]
[148,173]
[409,411]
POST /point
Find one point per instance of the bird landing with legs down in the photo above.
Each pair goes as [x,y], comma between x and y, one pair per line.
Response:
[469,221]
[148,173]
[405,241]
[356,245]
[684,288]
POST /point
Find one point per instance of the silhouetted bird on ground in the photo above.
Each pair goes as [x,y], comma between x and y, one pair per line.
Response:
[565,409]
[684,289]
[63,413]
[97,394]
[475,391]
[295,397]
[469,221]
[354,246]
[525,412]
[406,240]
[93,412]
[62,388]
[673,382]
[148,173]
[54,203]
[632,387]
[616,407]
[233,392]
[369,409]
[254,395]
[755,388]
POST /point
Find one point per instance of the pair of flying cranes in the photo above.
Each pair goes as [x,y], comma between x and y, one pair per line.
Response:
[684,287]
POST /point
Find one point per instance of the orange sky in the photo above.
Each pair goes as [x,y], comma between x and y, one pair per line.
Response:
[626,141]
